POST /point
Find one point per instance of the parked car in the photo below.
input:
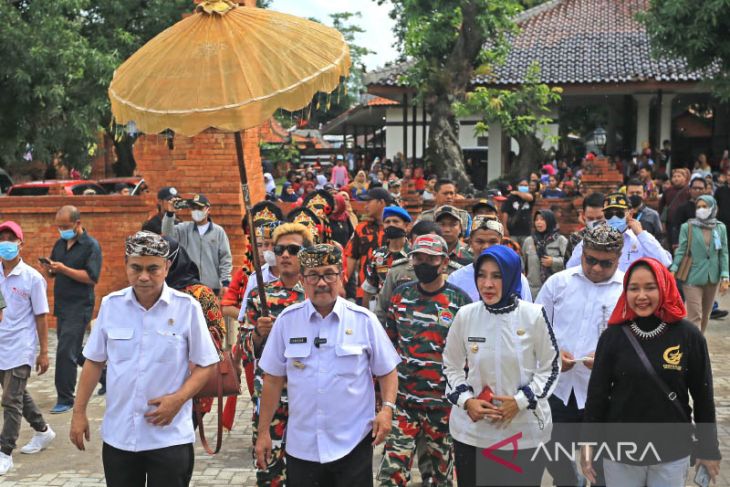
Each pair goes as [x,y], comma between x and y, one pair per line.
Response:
[5,181]
[68,187]
[109,184]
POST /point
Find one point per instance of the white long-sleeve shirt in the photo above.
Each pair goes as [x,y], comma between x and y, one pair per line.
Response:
[516,354]
[578,310]
[635,247]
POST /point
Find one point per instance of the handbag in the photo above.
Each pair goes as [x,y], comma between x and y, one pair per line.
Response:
[682,273]
[671,395]
[225,382]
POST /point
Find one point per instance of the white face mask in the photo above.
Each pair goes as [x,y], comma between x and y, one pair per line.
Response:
[270,258]
[199,215]
[703,213]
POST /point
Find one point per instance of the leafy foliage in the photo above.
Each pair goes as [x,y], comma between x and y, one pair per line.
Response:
[696,30]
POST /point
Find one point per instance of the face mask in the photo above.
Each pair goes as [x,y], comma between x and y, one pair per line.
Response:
[8,250]
[594,223]
[523,189]
[635,201]
[426,273]
[67,234]
[703,213]
[392,233]
[198,215]
[617,223]
[270,258]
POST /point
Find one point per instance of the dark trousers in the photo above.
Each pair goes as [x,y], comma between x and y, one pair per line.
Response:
[17,403]
[70,331]
[164,467]
[353,470]
[493,474]
[563,471]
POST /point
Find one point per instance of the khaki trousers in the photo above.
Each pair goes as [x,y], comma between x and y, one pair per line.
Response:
[698,300]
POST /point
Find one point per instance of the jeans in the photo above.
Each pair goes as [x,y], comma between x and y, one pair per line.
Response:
[353,470]
[70,331]
[164,467]
[17,403]
[669,474]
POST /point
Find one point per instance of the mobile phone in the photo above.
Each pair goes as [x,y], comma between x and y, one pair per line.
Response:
[43,260]
[180,204]
[486,395]
[702,477]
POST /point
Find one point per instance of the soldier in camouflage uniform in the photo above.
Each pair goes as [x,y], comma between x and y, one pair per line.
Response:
[453,230]
[285,291]
[395,223]
[417,322]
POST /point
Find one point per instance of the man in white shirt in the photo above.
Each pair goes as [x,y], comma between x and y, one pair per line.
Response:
[327,350]
[22,329]
[578,302]
[637,242]
[147,335]
[485,232]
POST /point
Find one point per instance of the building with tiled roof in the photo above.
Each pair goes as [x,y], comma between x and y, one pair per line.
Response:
[600,54]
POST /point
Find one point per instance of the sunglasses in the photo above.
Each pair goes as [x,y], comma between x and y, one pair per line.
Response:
[293,249]
[611,212]
[591,261]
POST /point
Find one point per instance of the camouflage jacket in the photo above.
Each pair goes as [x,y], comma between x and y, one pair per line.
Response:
[378,265]
[461,254]
[418,322]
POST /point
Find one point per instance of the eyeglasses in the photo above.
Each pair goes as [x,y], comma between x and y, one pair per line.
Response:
[293,249]
[328,277]
[697,188]
[591,261]
[611,212]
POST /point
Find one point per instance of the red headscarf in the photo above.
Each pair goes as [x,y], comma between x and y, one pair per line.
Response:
[671,308]
[340,212]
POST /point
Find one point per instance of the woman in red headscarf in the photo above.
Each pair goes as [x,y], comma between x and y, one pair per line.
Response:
[650,315]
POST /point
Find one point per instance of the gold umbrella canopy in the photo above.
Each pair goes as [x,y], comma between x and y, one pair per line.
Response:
[227,67]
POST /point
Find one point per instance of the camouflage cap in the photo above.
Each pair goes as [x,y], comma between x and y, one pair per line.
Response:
[482,222]
[319,255]
[430,244]
[144,243]
[604,239]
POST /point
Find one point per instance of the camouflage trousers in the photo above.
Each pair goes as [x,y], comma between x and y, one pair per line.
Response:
[275,474]
[410,425]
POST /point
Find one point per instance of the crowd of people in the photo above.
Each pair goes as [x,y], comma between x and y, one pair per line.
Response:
[439,335]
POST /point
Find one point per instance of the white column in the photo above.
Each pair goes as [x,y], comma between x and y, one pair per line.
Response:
[642,119]
[494,154]
[665,119]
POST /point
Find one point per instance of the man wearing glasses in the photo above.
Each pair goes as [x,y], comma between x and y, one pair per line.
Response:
[288,240]
[326,350]
[578,302]
[637,242]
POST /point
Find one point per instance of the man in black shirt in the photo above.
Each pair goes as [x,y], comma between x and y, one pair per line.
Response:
[517,212]
[75,264]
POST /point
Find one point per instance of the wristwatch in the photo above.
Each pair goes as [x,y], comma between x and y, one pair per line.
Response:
[389,404]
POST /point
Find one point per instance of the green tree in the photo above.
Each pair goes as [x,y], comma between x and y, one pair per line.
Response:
[696,30]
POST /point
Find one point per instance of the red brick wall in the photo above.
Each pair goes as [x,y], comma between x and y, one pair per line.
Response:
[109,219]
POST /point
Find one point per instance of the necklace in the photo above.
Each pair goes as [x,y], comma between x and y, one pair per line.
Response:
[645,335]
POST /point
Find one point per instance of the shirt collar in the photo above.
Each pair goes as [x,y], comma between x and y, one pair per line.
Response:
[17,270]
[165,297]
[617,276]
[338,310]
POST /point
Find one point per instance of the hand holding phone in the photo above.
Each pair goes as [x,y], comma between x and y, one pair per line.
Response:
[44,260]
[702,477]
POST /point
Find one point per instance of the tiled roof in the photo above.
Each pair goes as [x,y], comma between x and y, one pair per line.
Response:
[576,42]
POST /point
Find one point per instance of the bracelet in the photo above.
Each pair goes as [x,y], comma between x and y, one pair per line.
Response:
[389,404]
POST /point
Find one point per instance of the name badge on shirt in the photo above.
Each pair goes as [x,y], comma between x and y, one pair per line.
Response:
[298,340]
[477,340]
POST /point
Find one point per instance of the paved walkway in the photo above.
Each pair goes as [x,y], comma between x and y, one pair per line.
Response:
[63,465]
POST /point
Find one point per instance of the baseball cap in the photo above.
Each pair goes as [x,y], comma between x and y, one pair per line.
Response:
[378,194]
[13,227]
[430,244]
[447,210]
[616,200]
[397,211]
[483,203]
[167,193]
[199,200]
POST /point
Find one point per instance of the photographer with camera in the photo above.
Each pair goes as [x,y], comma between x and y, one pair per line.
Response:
[205,242]
[165,194]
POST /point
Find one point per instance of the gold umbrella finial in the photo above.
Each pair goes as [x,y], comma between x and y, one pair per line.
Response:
[220,7]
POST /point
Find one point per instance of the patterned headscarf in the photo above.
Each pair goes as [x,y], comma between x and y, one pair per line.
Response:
[319,255]
[603,238]
[144,243]
[482,222]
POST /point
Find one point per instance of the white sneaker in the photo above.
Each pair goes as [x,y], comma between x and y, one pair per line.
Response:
[6,463]
[40,441]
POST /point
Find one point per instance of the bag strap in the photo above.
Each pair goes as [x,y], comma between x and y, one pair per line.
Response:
[199,418]
[690,231]
[671,395]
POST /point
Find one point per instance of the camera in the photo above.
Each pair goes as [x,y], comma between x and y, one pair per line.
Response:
[180,204]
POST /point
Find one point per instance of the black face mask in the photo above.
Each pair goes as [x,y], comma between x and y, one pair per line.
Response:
[392,233]
[635,200]
[426,273]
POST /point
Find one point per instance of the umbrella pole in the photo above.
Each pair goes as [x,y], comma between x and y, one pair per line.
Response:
[249,219]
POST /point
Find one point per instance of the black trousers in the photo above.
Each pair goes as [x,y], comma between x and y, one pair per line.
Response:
[353,470]
[164,467]
[492,474]
[70,331]
[562,470]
